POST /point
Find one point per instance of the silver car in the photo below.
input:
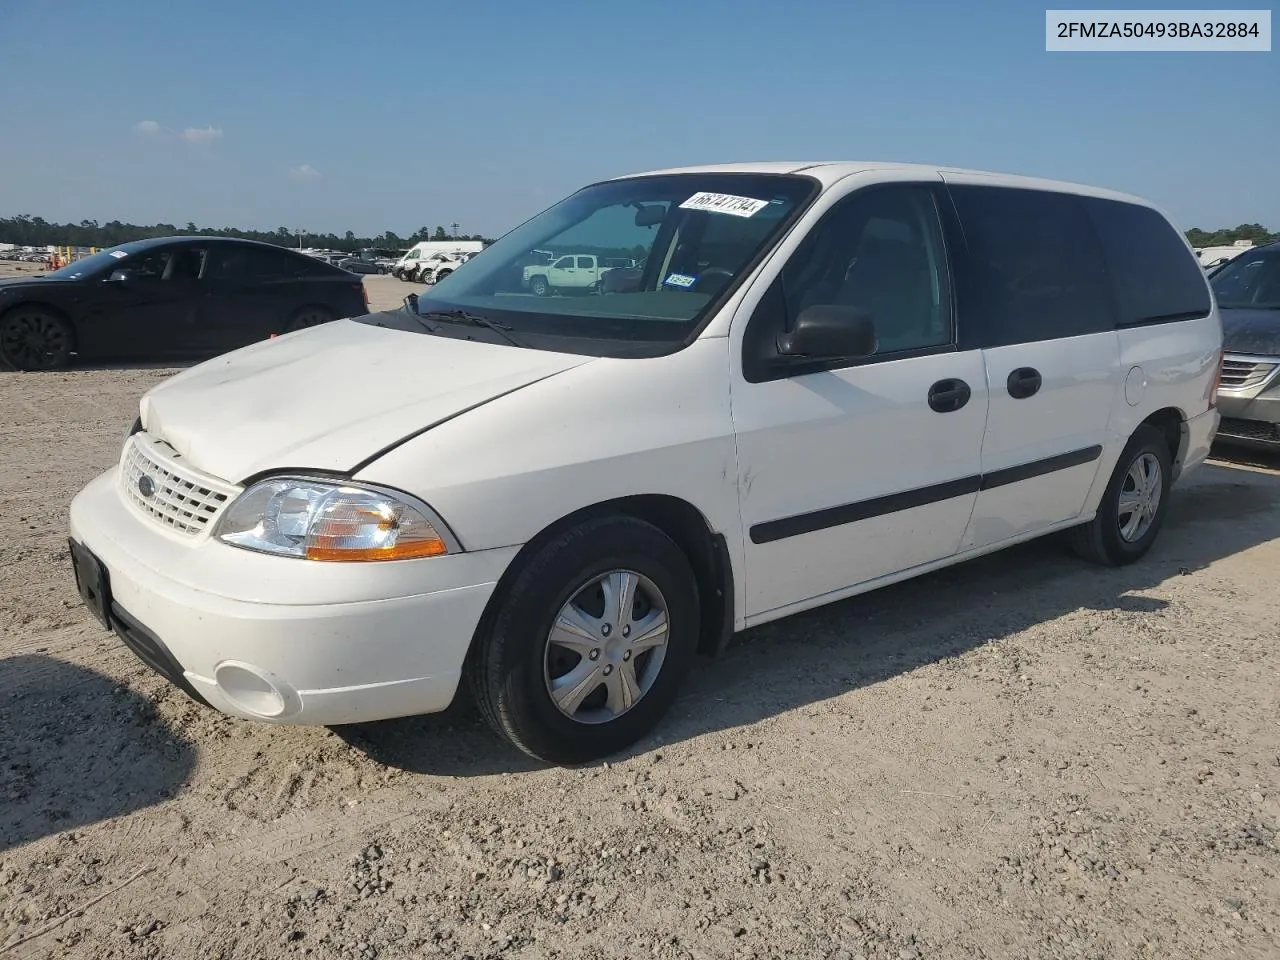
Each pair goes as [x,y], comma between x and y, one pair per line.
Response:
[1248,292]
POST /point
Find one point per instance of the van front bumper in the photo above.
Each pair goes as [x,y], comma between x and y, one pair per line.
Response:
[275,638]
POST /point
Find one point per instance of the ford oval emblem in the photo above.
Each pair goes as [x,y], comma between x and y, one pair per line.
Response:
[146,487]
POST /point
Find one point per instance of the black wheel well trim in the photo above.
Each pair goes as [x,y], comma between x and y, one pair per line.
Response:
[706,550]
[1171,422]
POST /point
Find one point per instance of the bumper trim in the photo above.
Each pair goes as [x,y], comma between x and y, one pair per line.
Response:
[148,648]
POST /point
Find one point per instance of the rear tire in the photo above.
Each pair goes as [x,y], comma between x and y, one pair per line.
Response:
[33,338]
[539,286]
[569,696]
[309,317]
[1133,506]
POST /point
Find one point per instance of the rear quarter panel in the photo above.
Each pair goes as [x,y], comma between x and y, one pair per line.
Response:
[1162,366]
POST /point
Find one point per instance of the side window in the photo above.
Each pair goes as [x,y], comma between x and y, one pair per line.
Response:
[171,263]
[149,266]
[1033,269]
[564,263]
[882,252]
[234,262]
[585,263]
[1154,275]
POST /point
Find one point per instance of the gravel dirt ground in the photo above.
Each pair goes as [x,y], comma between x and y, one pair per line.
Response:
[1021,757]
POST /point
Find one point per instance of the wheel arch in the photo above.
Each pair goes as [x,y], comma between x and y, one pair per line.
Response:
[706,550]
[1171,422]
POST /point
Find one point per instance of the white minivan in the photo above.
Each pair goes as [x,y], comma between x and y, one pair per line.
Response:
[824,378]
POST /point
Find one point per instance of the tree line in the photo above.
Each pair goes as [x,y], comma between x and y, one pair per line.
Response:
[29,231]
[37,232]
[1226,237]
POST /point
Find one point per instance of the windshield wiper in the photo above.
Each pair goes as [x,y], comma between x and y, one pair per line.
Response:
[471,319]
[411,310]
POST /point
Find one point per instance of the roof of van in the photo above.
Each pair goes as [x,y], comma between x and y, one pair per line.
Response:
[827,172]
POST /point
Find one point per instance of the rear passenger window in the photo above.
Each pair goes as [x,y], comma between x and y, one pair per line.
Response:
[1155,276]
[1033,269]
[233,262]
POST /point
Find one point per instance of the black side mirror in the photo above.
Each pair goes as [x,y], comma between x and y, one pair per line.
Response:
[829,332]
[120,276]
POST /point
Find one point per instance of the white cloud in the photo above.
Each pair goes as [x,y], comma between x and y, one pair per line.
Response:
[304,172]
[201,134]
[149,127]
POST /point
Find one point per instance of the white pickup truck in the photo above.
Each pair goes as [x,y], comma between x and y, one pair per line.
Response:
[572,272]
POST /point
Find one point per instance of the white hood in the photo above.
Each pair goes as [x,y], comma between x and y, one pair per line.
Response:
[331,397]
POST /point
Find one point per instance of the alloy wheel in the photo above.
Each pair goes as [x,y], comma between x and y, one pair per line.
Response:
[34,341]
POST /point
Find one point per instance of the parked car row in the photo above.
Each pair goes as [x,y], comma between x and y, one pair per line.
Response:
[432,260]
[24,256]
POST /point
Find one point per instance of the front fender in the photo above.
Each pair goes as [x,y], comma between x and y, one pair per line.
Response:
[606,430]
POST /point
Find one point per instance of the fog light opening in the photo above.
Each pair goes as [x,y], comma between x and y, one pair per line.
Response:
[250,690]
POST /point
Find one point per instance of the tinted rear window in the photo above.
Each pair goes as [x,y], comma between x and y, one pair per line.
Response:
[233,261]
[1154,275]
[1032,268]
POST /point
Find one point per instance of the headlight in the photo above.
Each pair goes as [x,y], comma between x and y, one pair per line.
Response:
[324,520]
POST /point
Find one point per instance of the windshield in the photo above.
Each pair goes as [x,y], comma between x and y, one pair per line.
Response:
[1250,280]
[94,263]
[628,267]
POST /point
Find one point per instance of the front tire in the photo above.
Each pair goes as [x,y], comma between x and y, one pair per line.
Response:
[585,651]
[33,338]
[309,317]
[1134,505]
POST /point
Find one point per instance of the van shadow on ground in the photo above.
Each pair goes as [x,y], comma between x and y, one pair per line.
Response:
[76,748]
[1216,512]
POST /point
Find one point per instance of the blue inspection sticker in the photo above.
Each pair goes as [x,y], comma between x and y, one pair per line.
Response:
[681,280]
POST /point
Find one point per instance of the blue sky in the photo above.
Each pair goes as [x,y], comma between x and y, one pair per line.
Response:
[368,116]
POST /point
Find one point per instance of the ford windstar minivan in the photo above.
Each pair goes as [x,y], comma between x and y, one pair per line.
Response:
[822,378]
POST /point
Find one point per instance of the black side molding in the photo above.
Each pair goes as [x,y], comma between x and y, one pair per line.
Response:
[863,510]
[1038,468]
[803,523]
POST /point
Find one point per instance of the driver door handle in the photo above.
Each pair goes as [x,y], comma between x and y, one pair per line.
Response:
[947,396]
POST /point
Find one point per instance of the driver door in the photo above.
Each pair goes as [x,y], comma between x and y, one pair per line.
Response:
[151,305]
[562,273]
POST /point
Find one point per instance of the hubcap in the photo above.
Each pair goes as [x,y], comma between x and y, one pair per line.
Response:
[1140,497]
[606,647]
[33,341]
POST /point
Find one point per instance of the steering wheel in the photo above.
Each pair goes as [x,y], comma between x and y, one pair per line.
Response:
[721,272]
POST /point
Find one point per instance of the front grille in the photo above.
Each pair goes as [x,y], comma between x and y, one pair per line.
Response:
[1241,373]
[181,499]
[1256,430]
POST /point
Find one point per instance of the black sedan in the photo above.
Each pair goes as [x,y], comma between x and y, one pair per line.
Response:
[169,298]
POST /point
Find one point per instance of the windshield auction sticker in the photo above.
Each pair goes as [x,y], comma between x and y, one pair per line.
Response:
[725,203]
